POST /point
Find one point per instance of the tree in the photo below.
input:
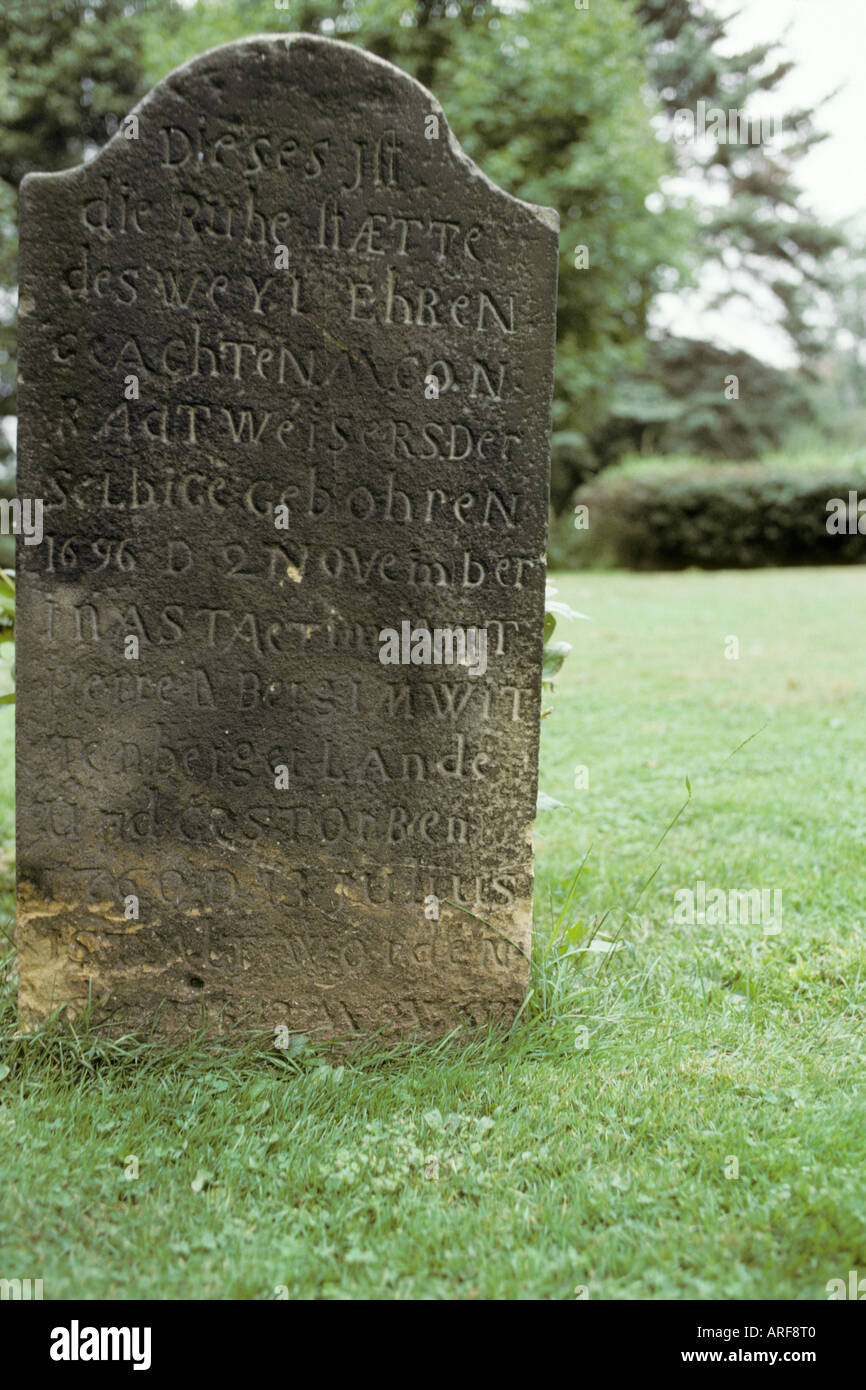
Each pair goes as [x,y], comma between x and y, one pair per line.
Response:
[842,368]
[560,106]
[757,227]
[554,104]
[68,73]
[696,398]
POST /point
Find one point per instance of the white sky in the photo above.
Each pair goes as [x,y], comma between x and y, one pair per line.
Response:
[827,41]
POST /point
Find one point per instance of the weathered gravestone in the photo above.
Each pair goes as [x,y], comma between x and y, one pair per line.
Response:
[286,365]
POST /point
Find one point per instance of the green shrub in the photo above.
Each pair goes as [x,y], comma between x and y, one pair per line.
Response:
[679,513]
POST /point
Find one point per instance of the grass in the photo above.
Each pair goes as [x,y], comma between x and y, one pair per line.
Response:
[532,1165]
[812,456]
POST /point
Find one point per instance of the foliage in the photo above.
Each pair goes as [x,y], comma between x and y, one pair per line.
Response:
[7,627]
[560,106]
[68,73]
[553,655]
[553,104]
[8,335]
[554,652]
[843,366]
[757,227]
[678,404]
[670,514]
[765,245]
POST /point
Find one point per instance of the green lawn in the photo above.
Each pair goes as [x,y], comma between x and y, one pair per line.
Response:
[534,1166]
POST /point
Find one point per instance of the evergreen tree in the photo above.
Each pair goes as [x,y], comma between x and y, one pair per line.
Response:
[760,231]
[69,71]
[554,104]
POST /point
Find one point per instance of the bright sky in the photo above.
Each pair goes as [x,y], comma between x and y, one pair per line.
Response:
[827,41]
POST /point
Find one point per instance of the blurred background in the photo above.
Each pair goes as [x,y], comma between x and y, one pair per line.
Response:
[706,166]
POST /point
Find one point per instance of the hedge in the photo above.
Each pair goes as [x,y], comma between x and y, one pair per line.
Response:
[713,516]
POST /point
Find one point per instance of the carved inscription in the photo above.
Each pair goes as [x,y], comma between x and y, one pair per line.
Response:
[286,367]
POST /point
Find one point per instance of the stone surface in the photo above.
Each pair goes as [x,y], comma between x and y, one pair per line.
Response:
[225,800]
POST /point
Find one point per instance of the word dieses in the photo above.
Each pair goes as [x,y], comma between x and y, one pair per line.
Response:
[421,646]
[737,907]
[21,519]
[74,1343]
[847,518]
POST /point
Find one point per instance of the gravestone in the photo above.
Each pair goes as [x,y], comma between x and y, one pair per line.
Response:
[286,372]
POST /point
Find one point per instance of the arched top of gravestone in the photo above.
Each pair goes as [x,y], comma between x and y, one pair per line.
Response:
[267,77]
